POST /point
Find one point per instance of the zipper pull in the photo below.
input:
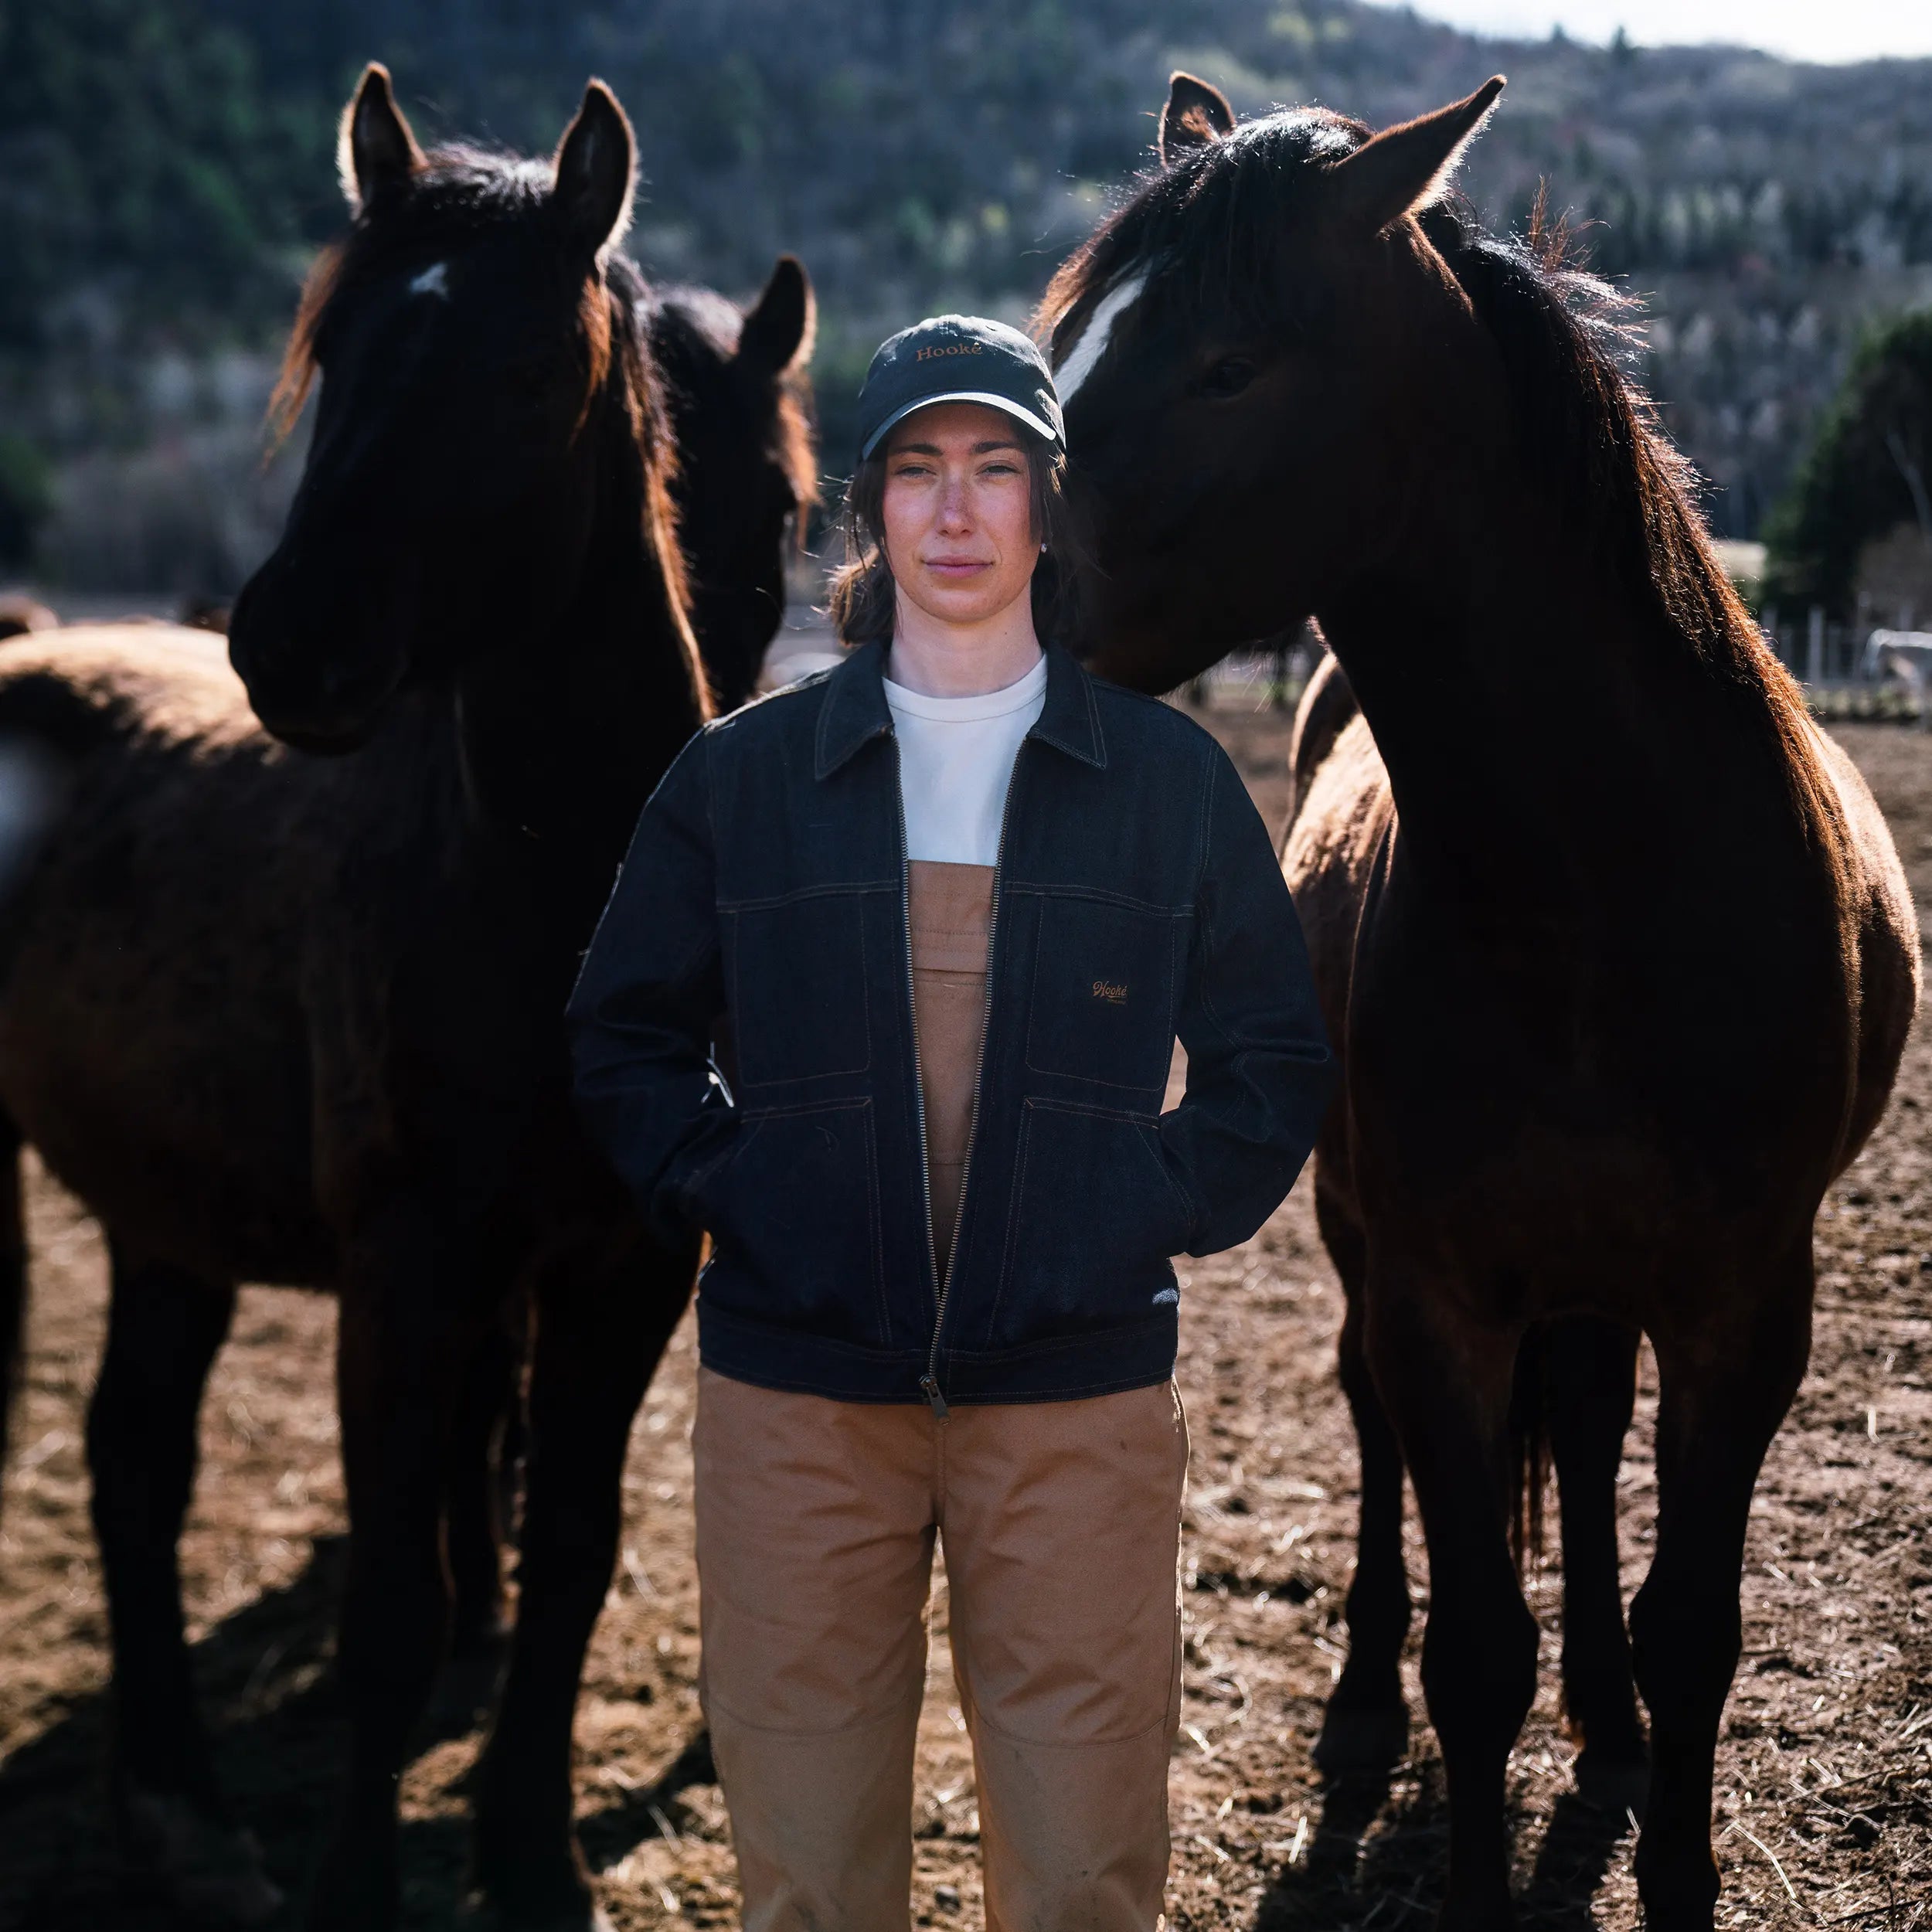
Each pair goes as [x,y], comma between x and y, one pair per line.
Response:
[929,1387]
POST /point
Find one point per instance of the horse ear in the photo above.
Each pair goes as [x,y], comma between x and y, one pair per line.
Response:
[1403,170]
[1196,114]
[375,153]
[780,326]
[596,171]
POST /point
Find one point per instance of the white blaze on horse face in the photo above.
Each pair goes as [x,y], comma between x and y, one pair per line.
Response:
[1084,357]
[433,281]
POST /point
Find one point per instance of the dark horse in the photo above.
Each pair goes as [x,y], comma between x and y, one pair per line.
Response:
[296,1017]
[740,407]
[1614,944]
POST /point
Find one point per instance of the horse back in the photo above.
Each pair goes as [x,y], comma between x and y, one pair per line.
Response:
[1341,819]
[1881,943]
[1326,705]
[153,1045]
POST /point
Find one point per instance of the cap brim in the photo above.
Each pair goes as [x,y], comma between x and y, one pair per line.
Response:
[1038,424]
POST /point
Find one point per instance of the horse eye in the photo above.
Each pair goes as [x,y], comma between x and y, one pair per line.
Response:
[1228,376]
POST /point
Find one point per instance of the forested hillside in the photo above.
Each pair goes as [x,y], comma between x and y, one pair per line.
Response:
[165,165]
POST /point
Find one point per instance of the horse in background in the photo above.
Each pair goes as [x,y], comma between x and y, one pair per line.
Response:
[21,616]
[740,412]
[1612,941]
[287,1009]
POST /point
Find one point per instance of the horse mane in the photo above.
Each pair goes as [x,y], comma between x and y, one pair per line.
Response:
[690,315]
[1589,432]
[1587,429]
[464,192]
[1195,224]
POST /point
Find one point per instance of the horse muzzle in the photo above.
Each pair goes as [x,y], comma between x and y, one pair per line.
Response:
[319,675]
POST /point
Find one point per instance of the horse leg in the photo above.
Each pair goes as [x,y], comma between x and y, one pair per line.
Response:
[412,1318]
[1365,1728]
[1446,1380]
[176,1836]
[1592,1385]
[1721,1399]
[601,1327]
[479,1501]
[13,1276]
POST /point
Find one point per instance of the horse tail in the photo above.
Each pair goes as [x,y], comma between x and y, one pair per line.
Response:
[48,728]
[45,731]
[1529,1457]
[1328,706]
[13,1276]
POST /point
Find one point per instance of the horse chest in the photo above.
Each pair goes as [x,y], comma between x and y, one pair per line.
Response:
[1583,1094]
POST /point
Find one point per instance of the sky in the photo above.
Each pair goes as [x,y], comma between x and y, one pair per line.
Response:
[1803,29]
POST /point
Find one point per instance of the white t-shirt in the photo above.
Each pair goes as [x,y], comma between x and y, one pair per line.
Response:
[955,757]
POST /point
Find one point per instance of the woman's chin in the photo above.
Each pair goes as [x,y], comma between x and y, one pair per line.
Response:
[968,603]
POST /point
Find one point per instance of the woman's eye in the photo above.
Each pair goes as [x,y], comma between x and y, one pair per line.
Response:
[1228,377]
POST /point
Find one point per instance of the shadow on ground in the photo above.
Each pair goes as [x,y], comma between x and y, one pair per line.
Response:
[265,1682]
[1369,1862]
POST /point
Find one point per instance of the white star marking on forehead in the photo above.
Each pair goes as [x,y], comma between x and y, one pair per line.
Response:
[1091,345]
[433,281]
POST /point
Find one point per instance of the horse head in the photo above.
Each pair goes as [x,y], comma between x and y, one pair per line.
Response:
[1255,354]
[740,407]
[469,335]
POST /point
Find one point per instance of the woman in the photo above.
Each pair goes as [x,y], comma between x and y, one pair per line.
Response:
[951,903]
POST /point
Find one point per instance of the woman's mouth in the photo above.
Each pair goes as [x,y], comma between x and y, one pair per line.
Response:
[956,568]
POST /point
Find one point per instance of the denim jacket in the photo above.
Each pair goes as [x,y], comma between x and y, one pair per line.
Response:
[1137,898]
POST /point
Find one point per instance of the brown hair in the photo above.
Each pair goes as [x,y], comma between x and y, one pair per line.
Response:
[864,598]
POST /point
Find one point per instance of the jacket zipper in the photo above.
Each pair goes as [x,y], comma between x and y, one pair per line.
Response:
[929,1381]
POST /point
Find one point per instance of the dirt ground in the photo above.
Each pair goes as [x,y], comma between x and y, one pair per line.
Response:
[1824,1774]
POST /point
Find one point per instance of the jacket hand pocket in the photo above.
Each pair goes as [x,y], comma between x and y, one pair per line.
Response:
[797,1204]
[799,989]
[1097,1257]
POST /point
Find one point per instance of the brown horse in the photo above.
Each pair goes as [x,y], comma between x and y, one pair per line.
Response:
[296,1017]
[1613,941]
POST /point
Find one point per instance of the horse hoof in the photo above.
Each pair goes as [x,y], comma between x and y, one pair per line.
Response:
[1614,1784]
[586,1917]
[539,1896]
[209,1872]
[1486,1916]
[466,1687]
[1358,1740]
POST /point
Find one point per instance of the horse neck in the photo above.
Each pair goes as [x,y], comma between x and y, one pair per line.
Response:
[1547,728]
[563,740]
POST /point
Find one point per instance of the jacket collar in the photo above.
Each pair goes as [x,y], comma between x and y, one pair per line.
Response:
[854,710]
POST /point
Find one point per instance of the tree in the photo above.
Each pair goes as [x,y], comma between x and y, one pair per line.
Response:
[1867,472]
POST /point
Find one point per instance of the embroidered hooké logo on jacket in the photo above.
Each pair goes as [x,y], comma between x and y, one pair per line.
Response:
[1112,991]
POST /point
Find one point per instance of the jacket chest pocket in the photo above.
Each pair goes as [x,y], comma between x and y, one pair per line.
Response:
[798,996]
[1103,1000]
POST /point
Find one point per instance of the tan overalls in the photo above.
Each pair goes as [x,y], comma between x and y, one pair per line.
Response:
[816,1524]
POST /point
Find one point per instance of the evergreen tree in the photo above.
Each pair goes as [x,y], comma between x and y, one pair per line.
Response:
[1868,470]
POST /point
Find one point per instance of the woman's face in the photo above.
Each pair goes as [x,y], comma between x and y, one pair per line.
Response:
[958,512]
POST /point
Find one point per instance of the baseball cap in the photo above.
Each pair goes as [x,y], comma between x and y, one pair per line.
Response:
[957,359]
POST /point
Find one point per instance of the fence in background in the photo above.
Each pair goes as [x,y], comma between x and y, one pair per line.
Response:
[1270,677]
[1856,670]
[1847,670]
